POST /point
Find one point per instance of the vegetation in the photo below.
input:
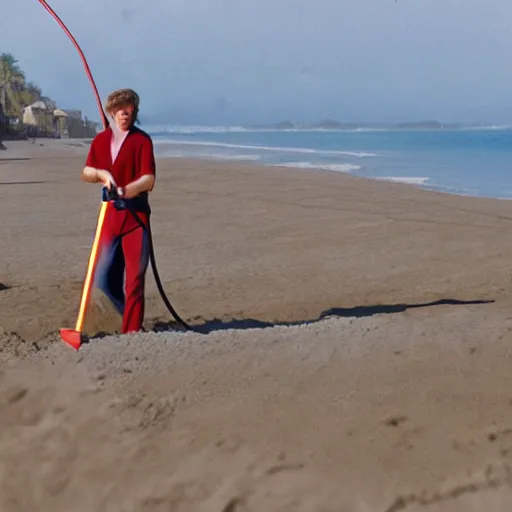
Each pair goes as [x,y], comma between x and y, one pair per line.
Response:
[16,91]
[15,94]
[42,120]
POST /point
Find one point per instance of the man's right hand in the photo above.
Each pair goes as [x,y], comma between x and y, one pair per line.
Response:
[106,178]
[93,175]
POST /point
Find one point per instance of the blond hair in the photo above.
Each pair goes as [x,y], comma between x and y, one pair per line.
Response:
[123,98]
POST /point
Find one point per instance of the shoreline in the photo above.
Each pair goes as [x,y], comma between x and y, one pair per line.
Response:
[81,146]
[353,168]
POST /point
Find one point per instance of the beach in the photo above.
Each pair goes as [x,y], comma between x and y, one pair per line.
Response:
[350,352]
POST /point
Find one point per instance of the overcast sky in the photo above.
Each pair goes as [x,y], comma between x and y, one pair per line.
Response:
[252,61]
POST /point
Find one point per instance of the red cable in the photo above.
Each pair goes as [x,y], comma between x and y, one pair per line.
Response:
[84,60]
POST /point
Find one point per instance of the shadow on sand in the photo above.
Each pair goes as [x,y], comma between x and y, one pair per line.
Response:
[355,312]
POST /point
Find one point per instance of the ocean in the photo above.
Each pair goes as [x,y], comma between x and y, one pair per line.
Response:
[472,162]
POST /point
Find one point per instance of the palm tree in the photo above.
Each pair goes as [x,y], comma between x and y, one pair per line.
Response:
[12,83]
[15,93]
[11,62]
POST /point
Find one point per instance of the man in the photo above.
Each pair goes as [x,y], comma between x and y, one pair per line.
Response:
[122,157]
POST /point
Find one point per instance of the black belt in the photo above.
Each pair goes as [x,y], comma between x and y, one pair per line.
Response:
[138,204]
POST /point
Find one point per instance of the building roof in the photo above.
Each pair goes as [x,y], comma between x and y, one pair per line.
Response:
[59,113]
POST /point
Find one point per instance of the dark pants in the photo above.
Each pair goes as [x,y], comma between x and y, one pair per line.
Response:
[120,272]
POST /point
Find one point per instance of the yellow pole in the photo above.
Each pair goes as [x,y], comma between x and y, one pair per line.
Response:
[90,269]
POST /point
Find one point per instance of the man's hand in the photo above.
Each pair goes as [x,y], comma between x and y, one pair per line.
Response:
[92,175]
[106,178]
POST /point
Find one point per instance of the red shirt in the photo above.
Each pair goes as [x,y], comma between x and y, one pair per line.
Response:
[135,159]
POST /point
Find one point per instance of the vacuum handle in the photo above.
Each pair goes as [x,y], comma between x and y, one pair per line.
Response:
[110,195]
[113,195]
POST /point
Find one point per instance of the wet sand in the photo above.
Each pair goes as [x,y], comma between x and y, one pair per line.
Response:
[352,345]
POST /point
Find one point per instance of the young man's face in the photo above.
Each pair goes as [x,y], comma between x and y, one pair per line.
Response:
[124,117]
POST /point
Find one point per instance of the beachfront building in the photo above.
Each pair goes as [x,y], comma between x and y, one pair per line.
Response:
[78,127]
[45,120]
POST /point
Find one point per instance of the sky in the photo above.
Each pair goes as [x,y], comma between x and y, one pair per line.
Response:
[263,61]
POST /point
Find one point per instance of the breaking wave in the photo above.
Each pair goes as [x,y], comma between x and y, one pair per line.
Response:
[325,167]
[326,152]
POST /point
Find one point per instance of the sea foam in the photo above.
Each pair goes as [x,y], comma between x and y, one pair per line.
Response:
[301,150]
[325,167]
[411,180]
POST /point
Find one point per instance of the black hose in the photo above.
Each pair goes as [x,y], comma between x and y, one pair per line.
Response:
[123,204]
[155,270]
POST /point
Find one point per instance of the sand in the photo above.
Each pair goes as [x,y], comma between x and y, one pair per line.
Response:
[351,346]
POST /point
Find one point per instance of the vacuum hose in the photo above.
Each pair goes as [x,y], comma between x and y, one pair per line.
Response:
[123,204]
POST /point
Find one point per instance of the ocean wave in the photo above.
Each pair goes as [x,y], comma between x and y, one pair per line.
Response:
[325,167]
[493,127]
[223,156]
[162,130]
[280,149]
[213,156]
[411,180]
[187,130]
